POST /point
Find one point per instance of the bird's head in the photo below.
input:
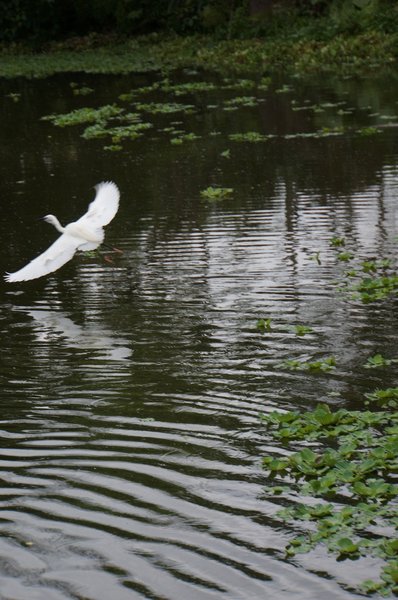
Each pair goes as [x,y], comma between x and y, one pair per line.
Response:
[50,219]
[53,221]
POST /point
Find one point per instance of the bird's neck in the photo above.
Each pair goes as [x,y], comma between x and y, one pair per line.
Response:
[57,225]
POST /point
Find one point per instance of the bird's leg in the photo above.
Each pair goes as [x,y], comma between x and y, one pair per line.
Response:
[113,248]
[107,258]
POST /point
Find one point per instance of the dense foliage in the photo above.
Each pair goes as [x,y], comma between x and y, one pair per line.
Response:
[45,20]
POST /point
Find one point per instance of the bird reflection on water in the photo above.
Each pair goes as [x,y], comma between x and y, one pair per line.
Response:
[88,337]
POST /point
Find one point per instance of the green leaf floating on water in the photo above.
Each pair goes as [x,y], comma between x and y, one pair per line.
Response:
[216,193]
[302,329]
[324,365]
[84,115]
[378,360]
[250,136]
[264,324]
[385,397]
[347,546]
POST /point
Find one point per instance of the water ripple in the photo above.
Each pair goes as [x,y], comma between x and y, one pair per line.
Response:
[131,391]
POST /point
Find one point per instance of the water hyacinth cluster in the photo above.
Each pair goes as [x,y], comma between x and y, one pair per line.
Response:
[345,459]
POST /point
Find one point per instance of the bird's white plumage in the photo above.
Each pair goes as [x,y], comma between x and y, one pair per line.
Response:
[103,208]
[52,259]
[84,234]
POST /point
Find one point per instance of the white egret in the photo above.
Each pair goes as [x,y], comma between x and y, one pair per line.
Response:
[84,234]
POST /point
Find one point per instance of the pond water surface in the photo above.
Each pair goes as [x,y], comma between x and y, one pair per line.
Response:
[131,391]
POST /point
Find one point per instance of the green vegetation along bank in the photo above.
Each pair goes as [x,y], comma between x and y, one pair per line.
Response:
[346,55]
[258,36]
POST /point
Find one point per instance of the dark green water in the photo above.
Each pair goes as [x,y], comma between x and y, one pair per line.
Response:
[131,392]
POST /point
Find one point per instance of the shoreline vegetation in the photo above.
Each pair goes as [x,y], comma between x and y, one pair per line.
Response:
[344,55]
[356,38]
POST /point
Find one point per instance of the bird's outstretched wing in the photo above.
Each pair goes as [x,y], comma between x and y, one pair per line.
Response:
[52,259]
[104,206]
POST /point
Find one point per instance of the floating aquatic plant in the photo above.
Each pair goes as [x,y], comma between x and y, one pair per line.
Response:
[337,242]
[84,115]
[351,467]
[14,96]
[264,324]
[366,131]
[320,133]
[113,147]
[264,83]
[129,131]
[242,84]
[284,89]
[345,256]
[379,282]
[164,107]
[250,136]
[216,193]
[371,266]
[386,398]
[184,137]
[324,364]
[378,360]
[191,87]
[240,101]
[370,289]
[80,91]
[302,329]
[130,127]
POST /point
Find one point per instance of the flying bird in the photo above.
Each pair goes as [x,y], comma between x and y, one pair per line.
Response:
[86,233]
